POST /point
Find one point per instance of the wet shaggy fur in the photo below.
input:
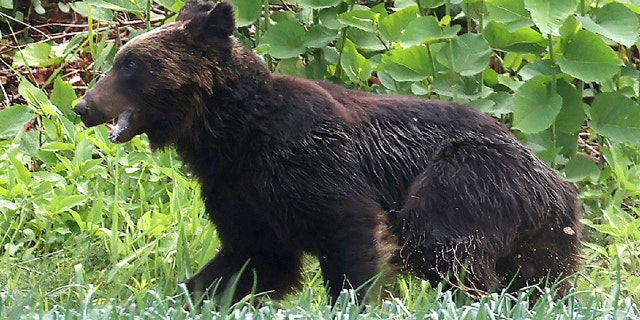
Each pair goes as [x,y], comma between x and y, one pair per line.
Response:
[367,183]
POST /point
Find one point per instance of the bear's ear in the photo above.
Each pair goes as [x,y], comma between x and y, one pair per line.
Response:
[193,8]
[203,23]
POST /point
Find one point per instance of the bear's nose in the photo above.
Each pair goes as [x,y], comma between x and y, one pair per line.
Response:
[81,107]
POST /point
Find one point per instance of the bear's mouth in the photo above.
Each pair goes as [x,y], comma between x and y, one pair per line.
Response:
[120,128]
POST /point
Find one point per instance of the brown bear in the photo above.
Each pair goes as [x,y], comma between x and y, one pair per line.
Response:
[367,183]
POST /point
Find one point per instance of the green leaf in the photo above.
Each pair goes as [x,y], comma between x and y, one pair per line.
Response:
[329,17]
[68,202]
[616,117]
[468,54]
[8,205]
[535,106]
[614,21]
[539,68]
[116,5]
[525,40]
[548,15]
[355,65]
[319,36]
[571,116]
[511,13]
[365,40]
[30,142]
[285,39]
[579,168]
[426,30]
[23,174]
[13,119]
[7,4]
[318,4]
[36,55]
[462,87]
[411,64]
[58,146]
[497,103]
[391,26]
[362,19]
[588,58]
[247,11]
[173,5]
[63,97]
[96,13]
[35,97]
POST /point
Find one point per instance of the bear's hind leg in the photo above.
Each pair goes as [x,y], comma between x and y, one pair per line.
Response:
[543,258]
[469,207]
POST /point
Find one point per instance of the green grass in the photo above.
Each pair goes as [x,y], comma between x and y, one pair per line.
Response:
[432,304]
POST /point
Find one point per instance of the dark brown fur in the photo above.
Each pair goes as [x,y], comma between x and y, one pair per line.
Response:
[367,183]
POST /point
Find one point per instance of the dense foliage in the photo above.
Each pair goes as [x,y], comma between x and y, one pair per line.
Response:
[92,228]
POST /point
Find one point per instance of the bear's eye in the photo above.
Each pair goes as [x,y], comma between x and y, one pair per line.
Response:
[129,65]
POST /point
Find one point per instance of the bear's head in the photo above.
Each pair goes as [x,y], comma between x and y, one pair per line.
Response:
[157,78]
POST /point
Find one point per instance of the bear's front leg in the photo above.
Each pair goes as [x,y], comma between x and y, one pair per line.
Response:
[275,272]
[358,247]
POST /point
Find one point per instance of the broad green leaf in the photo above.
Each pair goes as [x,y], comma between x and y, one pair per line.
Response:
[173,5]
[68,202]
[36,98]
[36,55]
[569,121]
[365,40]
[23,174]
[318,36]
[467,54]
[9,205]
[362,19]
[411,64]
[616,117]
[571,116]
[426,30]
[579,168]
[7,4]
[96,13]
[525,40]
[569,29]
[539,68]
[291,66]
[355,65]
[30,142]
[127,6]
[548,15]
[511,13]
[318,4]
[535,106]
[13,119]
[63,97]
[391,26]
[588,58]
[329,17]
[83,152]
[614,21]
[459,87]
[497,103]
[247,11]
[285,39]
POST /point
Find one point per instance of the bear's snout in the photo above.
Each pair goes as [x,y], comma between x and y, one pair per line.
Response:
[90,115]
[81,108]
